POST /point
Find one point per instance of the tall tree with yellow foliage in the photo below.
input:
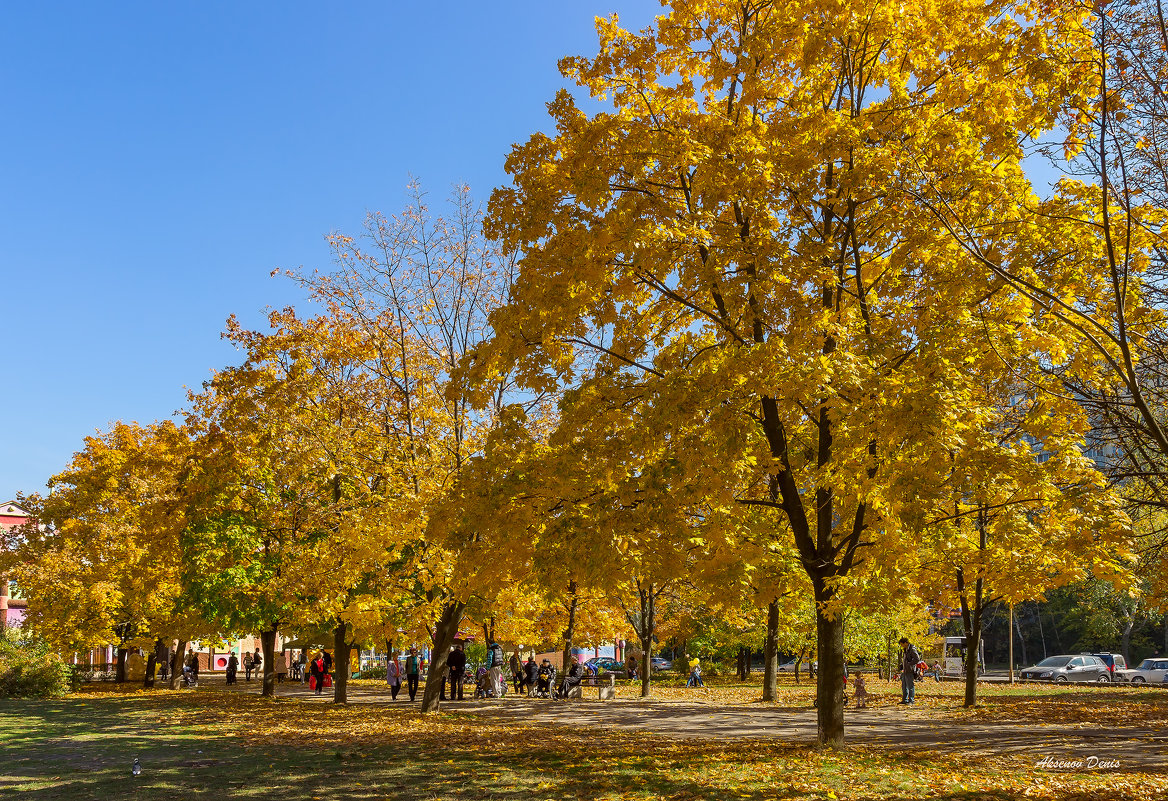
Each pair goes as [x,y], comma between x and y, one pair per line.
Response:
[738,247]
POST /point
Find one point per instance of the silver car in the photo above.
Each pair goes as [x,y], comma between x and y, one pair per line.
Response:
[1150,670]
[1066,668]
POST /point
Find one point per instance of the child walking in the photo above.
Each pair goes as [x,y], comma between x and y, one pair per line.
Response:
[861,692]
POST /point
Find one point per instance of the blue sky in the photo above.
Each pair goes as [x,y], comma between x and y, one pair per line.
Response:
[159,160]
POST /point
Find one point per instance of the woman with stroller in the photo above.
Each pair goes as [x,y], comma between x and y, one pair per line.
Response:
[571,678]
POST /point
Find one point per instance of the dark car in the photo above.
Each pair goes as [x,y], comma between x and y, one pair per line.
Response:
[1114,662]
[1068,667]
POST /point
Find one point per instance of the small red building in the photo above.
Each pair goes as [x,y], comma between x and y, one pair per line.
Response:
[11,608]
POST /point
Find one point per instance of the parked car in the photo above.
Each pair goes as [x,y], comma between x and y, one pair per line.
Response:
[1116,666]
[789,667]
[660,663]
[1150,670]
[1068,667]
[605,664]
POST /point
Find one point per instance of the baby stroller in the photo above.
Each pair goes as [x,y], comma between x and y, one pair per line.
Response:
[483,687]
[189,677]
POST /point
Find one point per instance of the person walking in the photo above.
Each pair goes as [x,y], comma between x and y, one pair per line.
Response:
[247,666]
[456,669]
[316,668]
[303,670]
[495,661]
[515,665]
[695,674]
[908,668]
[232,667]
[393,674]
[257,663]
[413,669]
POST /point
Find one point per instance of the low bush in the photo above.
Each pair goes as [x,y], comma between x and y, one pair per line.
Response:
[29,669]
[373,672]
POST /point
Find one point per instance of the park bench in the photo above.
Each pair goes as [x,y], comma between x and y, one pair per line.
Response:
[605,685]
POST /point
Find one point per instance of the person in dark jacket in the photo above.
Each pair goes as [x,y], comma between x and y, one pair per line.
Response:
[232,668]
[530,672]
[413,670]
[571,678]
[908,668]
[456,670]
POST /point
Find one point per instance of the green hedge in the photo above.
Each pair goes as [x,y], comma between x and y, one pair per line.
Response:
[28,669]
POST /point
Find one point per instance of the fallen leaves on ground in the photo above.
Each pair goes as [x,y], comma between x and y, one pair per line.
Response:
[466,752]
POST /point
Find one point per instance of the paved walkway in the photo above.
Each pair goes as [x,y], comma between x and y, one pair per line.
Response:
[920,729]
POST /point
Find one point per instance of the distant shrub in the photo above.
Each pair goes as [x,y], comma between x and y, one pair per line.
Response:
[28,669]
[373,672]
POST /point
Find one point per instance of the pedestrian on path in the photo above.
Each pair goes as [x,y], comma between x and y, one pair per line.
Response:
[247,666]
[413,669]
[495,662]
[393,675]
[908,667]
[456,670]
[516,666]
[695,674]
[317,667]
[257,663]
[861,692]
[232,668]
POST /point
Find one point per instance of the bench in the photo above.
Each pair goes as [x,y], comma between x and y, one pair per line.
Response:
[605,685]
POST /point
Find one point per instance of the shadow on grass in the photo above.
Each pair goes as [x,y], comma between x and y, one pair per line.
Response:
[213,745]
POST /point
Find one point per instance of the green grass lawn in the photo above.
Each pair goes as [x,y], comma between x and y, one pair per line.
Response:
[211,743]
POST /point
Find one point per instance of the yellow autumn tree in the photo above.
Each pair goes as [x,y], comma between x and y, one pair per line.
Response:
[104,565]
[737,249]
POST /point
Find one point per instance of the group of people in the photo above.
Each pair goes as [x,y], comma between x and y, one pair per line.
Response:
[251,663]
[537,680]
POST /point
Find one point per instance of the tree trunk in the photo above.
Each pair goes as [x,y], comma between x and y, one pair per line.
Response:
[971,613]
[770,673]
[830,675]
[151,663]
[648,629]
[445,630]
[570,631]
[268,644]
[1021,639]
[1041,635]
[121,666]
[342,649]
[972,649]
[1125,646]
[176,664]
